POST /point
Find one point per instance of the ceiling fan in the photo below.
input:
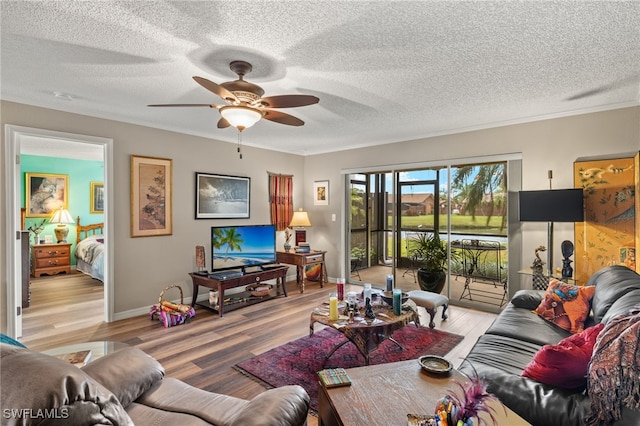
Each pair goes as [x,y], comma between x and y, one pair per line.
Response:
[244,102]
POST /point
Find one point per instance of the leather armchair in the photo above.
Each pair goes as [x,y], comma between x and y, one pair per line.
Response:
[128,387]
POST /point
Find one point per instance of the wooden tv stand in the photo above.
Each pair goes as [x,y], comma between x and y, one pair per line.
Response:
[279,274]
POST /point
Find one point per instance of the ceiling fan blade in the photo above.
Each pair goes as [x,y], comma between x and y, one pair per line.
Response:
[282,118]
[185,105]
[223,123]
[216,88]
[288,101]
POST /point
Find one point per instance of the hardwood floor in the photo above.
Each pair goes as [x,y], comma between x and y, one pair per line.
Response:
[67,309]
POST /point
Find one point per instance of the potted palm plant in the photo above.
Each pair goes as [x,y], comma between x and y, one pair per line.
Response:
[430,253]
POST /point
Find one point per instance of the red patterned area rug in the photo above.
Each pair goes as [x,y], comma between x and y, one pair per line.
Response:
[296,362]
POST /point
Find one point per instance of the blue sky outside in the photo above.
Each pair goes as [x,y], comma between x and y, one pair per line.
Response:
[418,175]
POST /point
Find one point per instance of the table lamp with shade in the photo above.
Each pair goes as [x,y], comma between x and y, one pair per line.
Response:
[300,219]
[61,217]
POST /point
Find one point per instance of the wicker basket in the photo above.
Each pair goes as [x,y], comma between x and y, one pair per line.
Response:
[259,290]
[170,313]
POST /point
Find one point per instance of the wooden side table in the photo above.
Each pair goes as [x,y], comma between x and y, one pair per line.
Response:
[301,260]
[50,259]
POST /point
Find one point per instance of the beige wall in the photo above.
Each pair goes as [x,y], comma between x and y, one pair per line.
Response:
[544,145]
[143,266]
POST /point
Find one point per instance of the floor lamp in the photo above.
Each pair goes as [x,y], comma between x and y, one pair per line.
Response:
[553,205]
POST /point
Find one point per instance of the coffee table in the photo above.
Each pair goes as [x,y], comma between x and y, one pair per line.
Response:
[384,394]
[366,334]
[98,348]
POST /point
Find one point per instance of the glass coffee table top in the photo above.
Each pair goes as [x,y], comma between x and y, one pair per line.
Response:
[98,348]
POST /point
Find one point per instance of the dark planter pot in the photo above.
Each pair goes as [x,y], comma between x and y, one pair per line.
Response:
[432,281]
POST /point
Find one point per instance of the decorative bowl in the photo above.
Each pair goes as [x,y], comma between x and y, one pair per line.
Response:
[387,296]
[435,364]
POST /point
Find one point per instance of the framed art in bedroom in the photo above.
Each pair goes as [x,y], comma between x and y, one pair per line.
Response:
[45,192]
[222,196]
[151,194]
[97,197]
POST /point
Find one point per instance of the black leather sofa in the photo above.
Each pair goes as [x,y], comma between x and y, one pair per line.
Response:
[500,355]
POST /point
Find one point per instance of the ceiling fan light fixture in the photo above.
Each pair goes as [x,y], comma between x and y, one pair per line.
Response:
[240,117]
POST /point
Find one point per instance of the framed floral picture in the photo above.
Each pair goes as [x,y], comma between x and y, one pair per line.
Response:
[321,193]
[44,193]
[151,193]
[222,196]
[97,197]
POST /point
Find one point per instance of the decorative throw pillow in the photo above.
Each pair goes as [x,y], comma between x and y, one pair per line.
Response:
[566,305]
[566,364]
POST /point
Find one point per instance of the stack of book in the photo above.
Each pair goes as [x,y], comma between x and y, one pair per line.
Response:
[334,377]
[303,248]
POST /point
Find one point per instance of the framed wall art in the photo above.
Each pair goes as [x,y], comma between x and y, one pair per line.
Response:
[222,196]
[97,197]
[151,193]
[321,193]
[45,192]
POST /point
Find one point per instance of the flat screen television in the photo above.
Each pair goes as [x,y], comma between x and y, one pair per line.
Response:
[238,247]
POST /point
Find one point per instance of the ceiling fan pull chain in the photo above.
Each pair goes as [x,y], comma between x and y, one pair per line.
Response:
[239,144]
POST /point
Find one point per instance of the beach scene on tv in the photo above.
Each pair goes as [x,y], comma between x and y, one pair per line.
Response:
[242,246]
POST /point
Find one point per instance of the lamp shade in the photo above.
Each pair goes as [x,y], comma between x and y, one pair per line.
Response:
[300,219]
[554,205]
[61,216]
[240,117]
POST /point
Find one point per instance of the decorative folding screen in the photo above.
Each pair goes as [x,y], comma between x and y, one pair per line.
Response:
[281,200]
[609,234]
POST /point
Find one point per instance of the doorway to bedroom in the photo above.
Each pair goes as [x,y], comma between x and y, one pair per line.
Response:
[82,165]
[57,298]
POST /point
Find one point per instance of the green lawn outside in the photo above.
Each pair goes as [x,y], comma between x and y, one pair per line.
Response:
[459,223]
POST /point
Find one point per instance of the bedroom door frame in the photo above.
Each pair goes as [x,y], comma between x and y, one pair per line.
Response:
[13,136]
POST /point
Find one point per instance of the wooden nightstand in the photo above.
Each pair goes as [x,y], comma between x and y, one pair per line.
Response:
[50,259]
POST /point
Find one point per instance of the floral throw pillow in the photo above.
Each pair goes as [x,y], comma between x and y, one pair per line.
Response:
[566,305]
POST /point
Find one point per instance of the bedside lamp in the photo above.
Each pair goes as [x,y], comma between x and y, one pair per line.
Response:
[300,219]
[61,216]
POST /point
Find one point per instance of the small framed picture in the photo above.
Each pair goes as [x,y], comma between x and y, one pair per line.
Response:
[321,193]
[48,239]
[97,197]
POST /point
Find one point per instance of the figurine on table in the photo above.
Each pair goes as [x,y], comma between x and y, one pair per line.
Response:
[368,310]
[540,282]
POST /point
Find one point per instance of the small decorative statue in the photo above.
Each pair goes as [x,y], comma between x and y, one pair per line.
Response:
[540,282]
[200,262]
[567,252]
[368,310]
[36,231]
[287,239]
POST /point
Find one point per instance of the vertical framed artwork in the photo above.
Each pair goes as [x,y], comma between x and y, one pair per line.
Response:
[321,193]
[222,196]
[45,192]
[609,234]
[151,193]
[97,197]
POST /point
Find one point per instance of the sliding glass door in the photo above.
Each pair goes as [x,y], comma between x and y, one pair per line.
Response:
[464,204]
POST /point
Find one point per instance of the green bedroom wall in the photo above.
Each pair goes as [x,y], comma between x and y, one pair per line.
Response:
[80,175]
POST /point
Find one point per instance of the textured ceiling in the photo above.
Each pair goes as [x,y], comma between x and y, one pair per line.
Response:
[385,71]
